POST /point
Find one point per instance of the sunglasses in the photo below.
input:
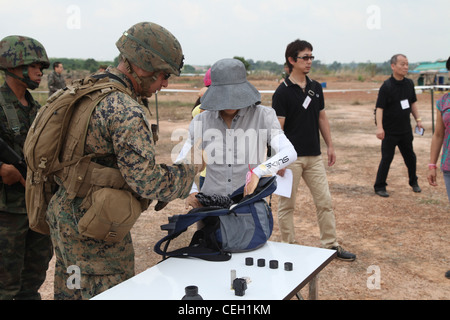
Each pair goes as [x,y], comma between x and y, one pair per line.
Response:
[166,76]
[306,58]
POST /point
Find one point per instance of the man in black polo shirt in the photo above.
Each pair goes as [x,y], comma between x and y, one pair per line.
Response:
[299,105]
[396,101]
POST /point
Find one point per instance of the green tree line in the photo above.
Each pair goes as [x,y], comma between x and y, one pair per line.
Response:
[90,64]
[368,68]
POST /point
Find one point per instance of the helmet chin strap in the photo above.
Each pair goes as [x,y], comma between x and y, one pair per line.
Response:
[144,82]
[26,78]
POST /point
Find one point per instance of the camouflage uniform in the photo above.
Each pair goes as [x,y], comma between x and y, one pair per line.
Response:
[24,254]
[55,82]
[118,127]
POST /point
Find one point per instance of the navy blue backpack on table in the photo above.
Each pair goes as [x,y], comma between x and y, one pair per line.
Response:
[246,225]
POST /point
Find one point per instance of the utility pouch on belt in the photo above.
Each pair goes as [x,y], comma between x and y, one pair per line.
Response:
[111,215]
[37,197]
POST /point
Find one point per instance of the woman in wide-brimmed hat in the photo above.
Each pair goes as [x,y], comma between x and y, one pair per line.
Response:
[234,132]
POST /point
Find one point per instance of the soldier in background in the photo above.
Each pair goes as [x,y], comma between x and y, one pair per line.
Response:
[118,127]
[56,79]
[102,68]
[24,254]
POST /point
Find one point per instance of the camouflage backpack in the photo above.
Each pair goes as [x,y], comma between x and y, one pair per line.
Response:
[46,141]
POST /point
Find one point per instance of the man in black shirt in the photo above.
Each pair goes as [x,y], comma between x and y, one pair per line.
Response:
[299,105]
[396,101]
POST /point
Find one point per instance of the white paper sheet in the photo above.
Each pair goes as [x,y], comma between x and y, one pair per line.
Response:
[284,184]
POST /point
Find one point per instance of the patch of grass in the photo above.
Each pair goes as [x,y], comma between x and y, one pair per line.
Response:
[428,201]
[40,97]
[171,110]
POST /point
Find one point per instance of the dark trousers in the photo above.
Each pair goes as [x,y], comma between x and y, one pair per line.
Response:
[24,258]
[405,145]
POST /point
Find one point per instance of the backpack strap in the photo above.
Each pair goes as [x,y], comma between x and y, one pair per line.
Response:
[203,244]
[77,164]
[11,115]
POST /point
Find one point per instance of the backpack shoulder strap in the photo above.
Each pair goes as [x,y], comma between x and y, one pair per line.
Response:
[197,248]
[71,148]
[96,89]
[11,115]
[65,102]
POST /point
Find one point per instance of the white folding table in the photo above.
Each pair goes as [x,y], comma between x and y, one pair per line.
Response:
[167,280]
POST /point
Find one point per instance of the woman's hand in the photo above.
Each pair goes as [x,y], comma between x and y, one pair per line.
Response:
[251,185]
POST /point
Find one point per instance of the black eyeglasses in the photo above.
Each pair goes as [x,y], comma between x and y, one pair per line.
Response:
[306,58]
[166,76]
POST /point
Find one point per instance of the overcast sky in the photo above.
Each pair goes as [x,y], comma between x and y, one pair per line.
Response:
[209,30]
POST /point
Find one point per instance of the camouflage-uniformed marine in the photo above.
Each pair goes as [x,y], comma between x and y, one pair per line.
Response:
[118,127]
[24,254]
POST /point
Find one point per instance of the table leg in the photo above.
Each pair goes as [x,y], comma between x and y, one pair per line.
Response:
[314,288]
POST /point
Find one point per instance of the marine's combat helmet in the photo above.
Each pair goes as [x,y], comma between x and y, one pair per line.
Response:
[16,51]
[152,48]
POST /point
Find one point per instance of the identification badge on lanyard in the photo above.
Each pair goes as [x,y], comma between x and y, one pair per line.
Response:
[306,102]
[404,104]
[308,99]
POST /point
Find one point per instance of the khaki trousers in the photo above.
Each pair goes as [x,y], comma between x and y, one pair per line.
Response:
[312,170]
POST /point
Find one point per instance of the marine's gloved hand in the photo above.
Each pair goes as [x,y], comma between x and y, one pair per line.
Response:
[160,205]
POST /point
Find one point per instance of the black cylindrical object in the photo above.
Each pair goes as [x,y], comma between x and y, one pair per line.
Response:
[261,262]
[191,293]
[249,261]
[288,266]
[273,264]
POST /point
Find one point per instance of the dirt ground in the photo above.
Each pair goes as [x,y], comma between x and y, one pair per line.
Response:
[403,240]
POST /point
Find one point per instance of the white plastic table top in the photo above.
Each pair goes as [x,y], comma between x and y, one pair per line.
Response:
[167,280]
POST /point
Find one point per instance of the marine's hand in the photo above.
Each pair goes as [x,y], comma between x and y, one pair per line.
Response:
[192,201]
[160,205]
[10,175]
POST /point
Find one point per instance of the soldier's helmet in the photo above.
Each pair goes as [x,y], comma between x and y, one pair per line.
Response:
[152,48]
[18,51]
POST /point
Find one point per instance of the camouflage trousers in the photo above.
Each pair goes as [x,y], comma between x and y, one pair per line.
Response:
[84,266]
[24,258]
